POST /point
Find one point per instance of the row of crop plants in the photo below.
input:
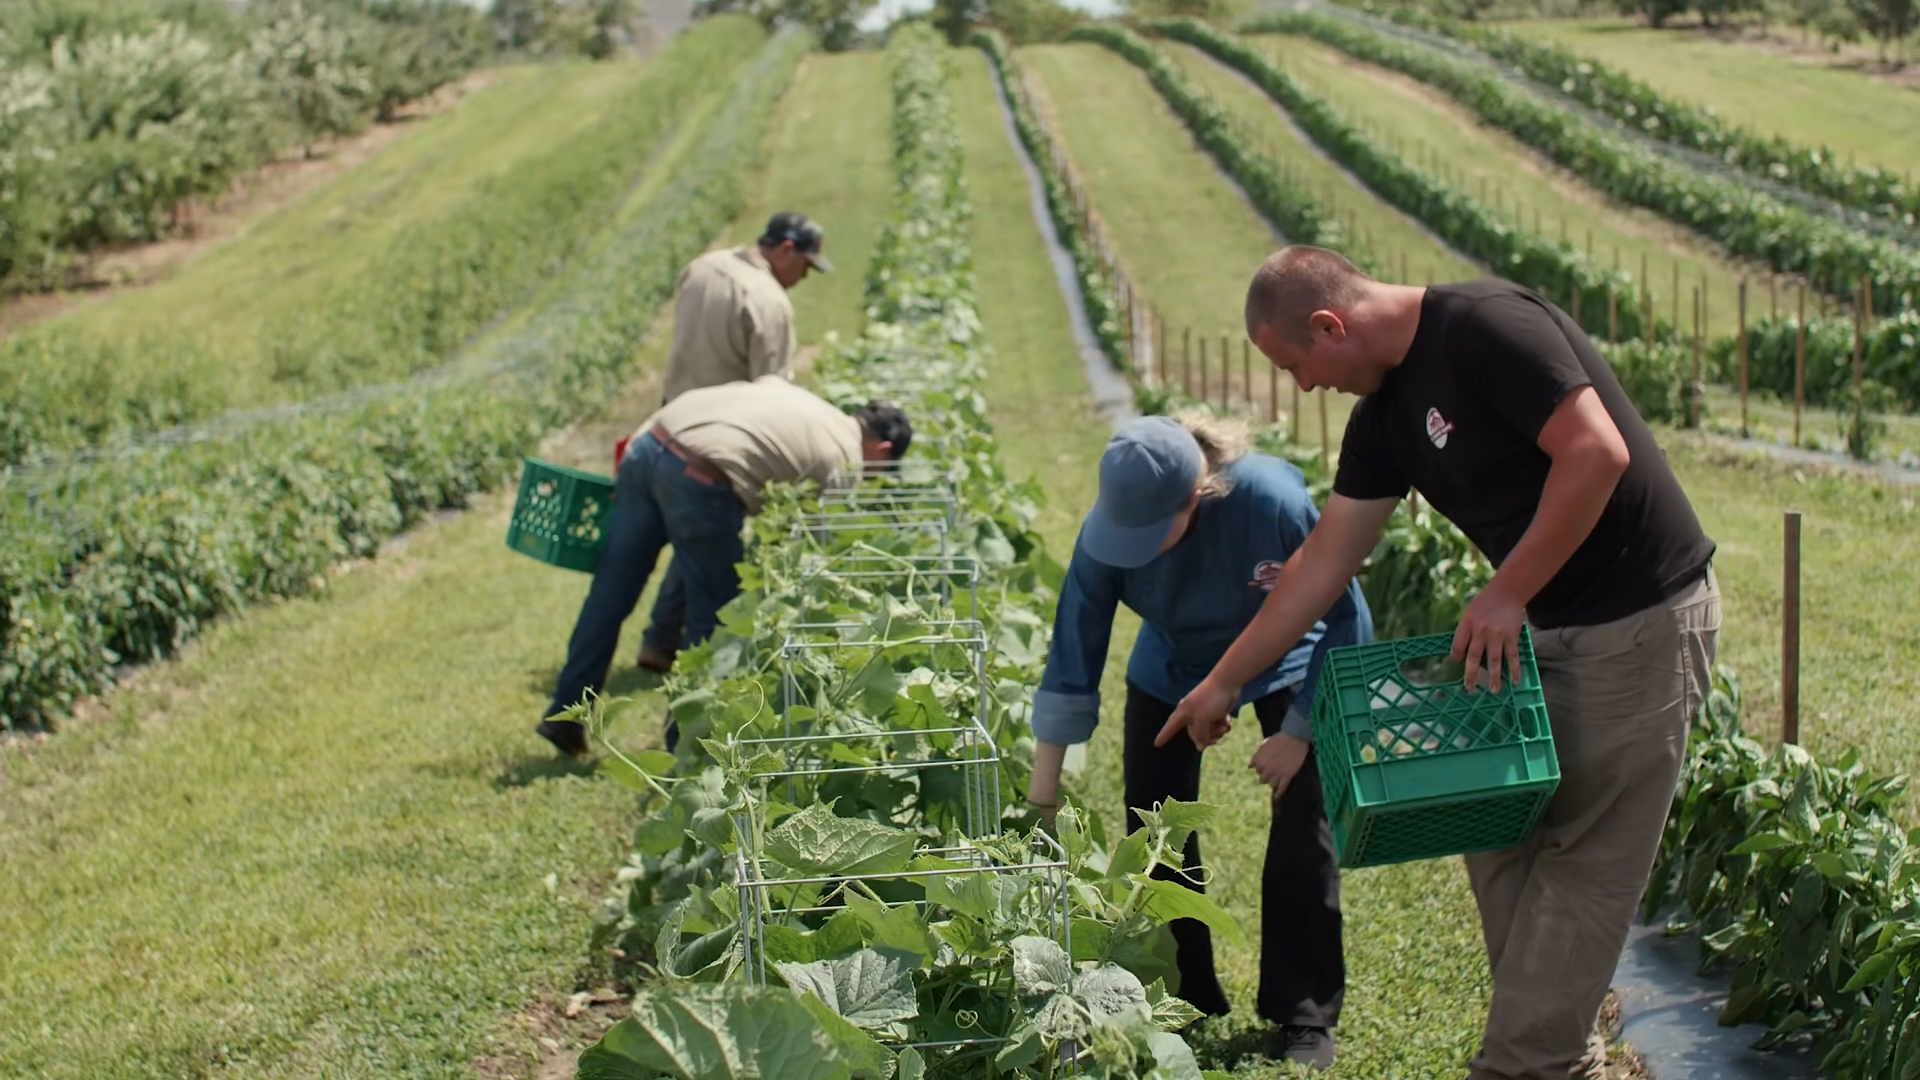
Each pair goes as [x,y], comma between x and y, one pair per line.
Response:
[122,559]
[831,878]
[1655,369]
[431,288]
[1746,223]
[1750,224]
[1796,875]
[1817,170]
[114,115]
[1649,354]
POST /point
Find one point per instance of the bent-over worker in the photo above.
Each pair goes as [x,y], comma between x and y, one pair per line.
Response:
[1189,531]
[732,322]
[691,475]
[1494,404]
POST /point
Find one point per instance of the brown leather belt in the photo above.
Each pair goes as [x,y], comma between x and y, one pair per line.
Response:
[698,467]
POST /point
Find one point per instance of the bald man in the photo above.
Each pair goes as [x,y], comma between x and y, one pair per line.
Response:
[1494,405]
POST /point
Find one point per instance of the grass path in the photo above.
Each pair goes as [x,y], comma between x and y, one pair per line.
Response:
[283,261]
[1417,985]
[1444,139]
[830,156]
[1385,229]
[1809,102]
[326,842]
[1186,235]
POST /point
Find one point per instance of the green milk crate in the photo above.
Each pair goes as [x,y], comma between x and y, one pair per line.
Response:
[1413,766]
[561,515]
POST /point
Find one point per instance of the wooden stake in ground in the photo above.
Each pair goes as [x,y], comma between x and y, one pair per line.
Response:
[1800,365]
[1226,375]
[1203,368]
[1790,634]
[1326,436]
[1693,388]
[1273,394]
[1676,295]
[1246,370]
[1186,361]
[1862,292]
[1296,409]
[1743,358]
[1160,354]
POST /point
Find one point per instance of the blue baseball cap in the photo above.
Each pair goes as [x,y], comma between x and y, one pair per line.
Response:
[1147,476]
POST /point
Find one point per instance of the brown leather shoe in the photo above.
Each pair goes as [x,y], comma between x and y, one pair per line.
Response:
[652,659]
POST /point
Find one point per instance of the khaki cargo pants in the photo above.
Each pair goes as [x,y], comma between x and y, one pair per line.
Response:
[1556,909]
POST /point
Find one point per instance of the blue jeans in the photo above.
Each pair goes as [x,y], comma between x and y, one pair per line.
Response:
[655,504]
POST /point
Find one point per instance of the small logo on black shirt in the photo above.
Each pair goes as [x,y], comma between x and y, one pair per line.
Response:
[1265,573]
[1437,428]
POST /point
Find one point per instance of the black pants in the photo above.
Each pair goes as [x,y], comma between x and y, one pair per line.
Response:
[1303,973]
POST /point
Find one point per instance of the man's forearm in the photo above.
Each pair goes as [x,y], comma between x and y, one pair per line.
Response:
[1575,495]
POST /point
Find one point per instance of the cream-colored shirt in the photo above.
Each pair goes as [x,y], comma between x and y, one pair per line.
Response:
[761,432]
[732,322]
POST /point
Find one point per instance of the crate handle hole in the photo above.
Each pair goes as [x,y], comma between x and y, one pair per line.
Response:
[1426,671]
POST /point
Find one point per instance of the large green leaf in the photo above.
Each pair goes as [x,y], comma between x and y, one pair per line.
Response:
[1169,900]
[899,927]
[728,1032]
[1110,991]
[1040,966]
[866,1058]
[816,841]
[871,988]
[1173,1057]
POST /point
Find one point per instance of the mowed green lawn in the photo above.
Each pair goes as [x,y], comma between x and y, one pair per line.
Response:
[1805,100]
[326,842]
[1417,979]
[1444,140]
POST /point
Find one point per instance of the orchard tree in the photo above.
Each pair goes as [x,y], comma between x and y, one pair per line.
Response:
[1888,21]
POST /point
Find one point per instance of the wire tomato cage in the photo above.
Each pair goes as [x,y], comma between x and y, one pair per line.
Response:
[891,716]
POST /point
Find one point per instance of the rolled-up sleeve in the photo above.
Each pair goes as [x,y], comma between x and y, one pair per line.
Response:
[1066,708]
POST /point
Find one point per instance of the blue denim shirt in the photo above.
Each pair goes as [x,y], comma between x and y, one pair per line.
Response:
[1195,600]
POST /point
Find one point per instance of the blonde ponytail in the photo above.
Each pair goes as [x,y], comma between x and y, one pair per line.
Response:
[1222,440]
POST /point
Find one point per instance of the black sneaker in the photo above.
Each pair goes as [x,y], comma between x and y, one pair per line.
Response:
[1309,1046]
[565,735]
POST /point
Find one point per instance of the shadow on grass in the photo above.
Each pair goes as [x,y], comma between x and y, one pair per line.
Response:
[529,769]
[627,680]
[1230,1044]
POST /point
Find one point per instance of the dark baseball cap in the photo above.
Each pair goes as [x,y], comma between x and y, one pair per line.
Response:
[807,237]
[1147,477]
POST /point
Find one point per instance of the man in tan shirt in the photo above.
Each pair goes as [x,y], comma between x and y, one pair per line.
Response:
[732,320]
[692,474]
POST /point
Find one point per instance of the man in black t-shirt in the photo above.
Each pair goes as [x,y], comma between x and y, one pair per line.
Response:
[1494,405]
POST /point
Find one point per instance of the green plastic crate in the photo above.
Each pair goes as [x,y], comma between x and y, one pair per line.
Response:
[1415,767]
[561,515]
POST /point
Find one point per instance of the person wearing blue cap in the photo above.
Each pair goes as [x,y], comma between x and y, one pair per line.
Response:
[1189,531]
